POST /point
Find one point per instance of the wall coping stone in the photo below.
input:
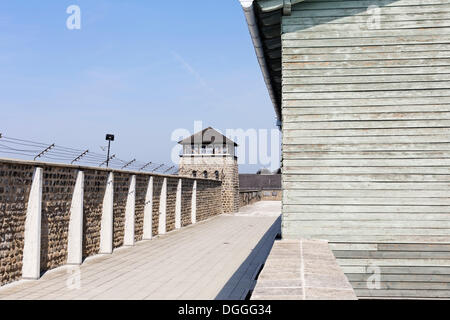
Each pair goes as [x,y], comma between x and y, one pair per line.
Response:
[73,166]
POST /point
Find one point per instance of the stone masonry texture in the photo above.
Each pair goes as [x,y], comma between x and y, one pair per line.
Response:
[57,191]
[208,199]
[157,186]
[58,187]
[94,192]
[227,168]
[186,202]
[141,191]
[121,187]
[15,185]
[172,185]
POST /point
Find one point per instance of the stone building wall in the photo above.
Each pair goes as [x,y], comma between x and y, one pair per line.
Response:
[58,188]
[208,196]
[186,202]
[15,185]
[230,186]
[141,192]
[57,191]
[172,185]
[121,187]
[157,187]
[94,192]
[227,168]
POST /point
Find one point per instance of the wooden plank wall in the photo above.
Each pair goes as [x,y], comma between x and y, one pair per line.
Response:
[366,144]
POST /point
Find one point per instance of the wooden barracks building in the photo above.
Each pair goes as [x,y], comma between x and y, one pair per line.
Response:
[362,91]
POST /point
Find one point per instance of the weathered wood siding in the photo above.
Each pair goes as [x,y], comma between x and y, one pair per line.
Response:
[366,139]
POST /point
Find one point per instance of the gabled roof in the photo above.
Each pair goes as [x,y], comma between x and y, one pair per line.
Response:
[207,136]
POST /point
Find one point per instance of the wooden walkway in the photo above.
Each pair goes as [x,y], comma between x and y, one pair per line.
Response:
[215,259]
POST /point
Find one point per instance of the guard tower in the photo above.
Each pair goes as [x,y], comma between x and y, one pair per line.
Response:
[209,154]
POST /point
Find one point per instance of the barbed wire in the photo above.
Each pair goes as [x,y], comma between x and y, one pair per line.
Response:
[33,150]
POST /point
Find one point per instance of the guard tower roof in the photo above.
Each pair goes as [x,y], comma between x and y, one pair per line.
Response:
[207,136]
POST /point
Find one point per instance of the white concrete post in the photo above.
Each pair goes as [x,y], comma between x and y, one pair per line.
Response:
[130,214]
[31,268]
[75,239]
[148,212]
[107,226]
[163,208]
[178,205]
[194,203]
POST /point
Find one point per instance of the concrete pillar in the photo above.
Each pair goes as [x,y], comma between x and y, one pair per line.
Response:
[163,208]
[107,223]
[31,268]
[194,203]
[178,205]
[130,214]
[148,212]
[75,239]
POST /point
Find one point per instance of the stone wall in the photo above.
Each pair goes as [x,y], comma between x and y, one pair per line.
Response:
[172,184]
[157,187]
[186,202]
[58,184]
[57,191]
[227,169]
[121,186]
[208,198]
[94,192]
[249,197]
[230,186]
[141,191]
[15,185]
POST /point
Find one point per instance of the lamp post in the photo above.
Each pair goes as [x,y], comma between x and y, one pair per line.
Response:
[109,138]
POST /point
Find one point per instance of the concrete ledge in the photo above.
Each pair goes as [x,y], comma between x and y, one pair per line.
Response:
[302,270]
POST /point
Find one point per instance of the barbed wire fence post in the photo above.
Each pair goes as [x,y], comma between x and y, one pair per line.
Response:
[32,151]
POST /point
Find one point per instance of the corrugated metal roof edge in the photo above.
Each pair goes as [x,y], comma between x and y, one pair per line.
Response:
[249,11]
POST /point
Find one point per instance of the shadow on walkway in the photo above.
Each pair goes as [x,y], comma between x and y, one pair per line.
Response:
[243,280]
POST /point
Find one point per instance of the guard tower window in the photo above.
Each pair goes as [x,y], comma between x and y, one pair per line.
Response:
[205,174]
[217,175]
[194,174]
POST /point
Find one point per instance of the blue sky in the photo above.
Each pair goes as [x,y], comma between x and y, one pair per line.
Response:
[138,69]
